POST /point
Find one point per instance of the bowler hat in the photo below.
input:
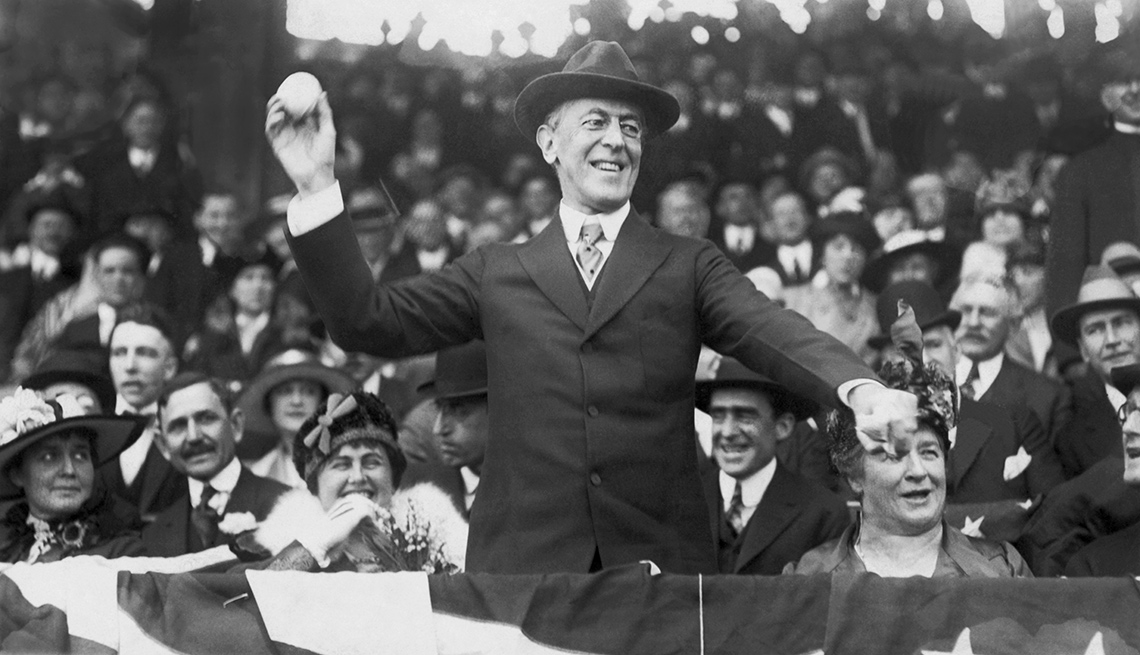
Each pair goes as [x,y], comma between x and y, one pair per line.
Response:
[1126,378]
[929,309]
[1100,289]
[600,69]
[731,373]
[852,224]
[26,419]
[286,366]
[460,371]
[907,243]
[85,367]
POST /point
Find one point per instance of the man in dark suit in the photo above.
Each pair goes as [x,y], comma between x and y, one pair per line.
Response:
[1098,196]
[199,433]
[762,514]
[1104,325]
[460,430]
[736,230]
[988,305]
[592,331]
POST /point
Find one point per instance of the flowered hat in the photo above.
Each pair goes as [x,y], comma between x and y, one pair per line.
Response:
[26,419]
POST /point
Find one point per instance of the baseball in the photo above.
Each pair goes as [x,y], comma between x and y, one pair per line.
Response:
[299,94]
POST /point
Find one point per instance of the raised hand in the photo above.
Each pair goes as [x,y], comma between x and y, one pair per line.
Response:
[883,417]
[306,147]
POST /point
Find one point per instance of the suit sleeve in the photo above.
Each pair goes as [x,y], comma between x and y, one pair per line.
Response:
[1069,225]
[1044,471]
[413,316]
[739,321]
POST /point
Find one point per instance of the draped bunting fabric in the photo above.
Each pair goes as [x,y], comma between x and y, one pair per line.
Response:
[85,605]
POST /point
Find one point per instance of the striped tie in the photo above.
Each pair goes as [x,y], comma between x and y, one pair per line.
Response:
[589,256]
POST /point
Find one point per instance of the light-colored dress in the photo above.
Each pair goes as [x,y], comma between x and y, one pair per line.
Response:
[846,313]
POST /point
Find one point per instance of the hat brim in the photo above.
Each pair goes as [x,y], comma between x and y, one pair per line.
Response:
[947,256]
[104,389]
[544,94]
[260,434]
[429,389]
[1066,322]
[951,318]
[825,230]
[801,408]
[113,435]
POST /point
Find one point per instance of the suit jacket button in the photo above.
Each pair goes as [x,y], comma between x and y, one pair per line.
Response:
[592,411]
[595,479]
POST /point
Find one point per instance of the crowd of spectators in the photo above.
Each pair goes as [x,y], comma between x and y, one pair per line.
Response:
[829,176]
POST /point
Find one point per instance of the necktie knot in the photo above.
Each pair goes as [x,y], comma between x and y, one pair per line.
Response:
[205,518]
[735,514]
[591,232]
[969,388]
[589,256]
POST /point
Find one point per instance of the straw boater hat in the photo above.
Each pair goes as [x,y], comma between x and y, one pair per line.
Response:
[288,365]
[1100,289]
[929,309]
[906,243]
[731,373]
[27,419]
[460,372]
[600,69]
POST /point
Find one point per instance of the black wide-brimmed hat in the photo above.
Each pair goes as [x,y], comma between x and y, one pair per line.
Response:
[1100,289]
[600,69]
[85,367]
[460,371]
[905,243]
[731,373]
[929,309]
[26,419]
[288,365]
[852,224]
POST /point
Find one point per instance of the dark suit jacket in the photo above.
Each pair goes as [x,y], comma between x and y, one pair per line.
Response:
[761,254]
[171,534]
[794,516]
[590,395]
[156,487]
[987,435]
[1017,386]
[1098,202]
[1093,431]
[1118,554]
[21,296]
[184,287]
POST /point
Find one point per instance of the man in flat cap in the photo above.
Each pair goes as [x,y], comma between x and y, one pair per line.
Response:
[592,330]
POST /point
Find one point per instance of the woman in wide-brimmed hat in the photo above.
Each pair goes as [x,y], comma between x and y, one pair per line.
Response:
[49,450]
[836,302]
[289,389]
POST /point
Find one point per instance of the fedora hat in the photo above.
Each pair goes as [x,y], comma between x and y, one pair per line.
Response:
[600,69]
[1100,289]
[731,373]
[906,243]
[852,224]
[929,309]
[27,419]
[86,367]
[460,371]
[286,366]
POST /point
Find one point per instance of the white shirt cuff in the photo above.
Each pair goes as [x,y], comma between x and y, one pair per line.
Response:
[307,214]
[846,388]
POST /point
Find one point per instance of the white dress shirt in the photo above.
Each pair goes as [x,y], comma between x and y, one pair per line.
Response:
[142,160]
[752,490]
[209,250]
[470,485]
[781,118]
[1126,128]
[572,221]
[739,238]
[1036,328]
[223,482]
[432,260]
[987,371]
[248,329]
[795,256]
[107,317]
[131,460]
[1115,397]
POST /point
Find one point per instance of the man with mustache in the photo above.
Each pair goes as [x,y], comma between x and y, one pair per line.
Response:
[1104,325]
[989,307]
[200,431]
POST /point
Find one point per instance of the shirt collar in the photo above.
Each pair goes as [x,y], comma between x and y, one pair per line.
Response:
[122,406]
[209,250]
[470,479]
[246,322]
[1115,397]
[224,482]
[573,220]
[752,488]
[1126,128]
[987,371]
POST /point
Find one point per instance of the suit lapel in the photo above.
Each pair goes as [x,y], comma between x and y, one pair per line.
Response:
[154,472]
[972,436]
[546,259]
[175,533]
[710,481]
[637,253]
[777,509]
